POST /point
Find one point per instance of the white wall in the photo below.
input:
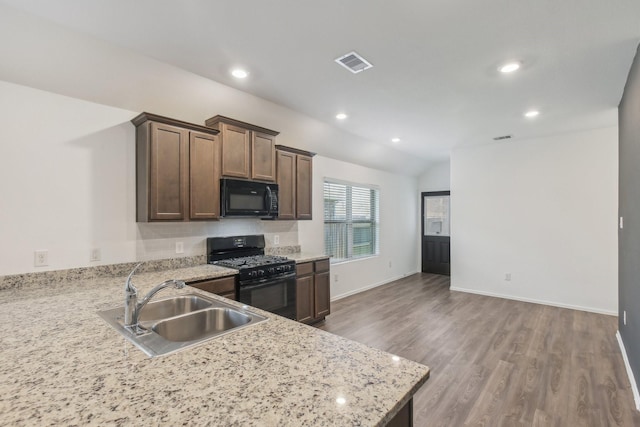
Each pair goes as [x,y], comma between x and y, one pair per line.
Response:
[68,168]
[544,210]
[68,173]
[46,56]
[398,207]
[436,178]
[67,147]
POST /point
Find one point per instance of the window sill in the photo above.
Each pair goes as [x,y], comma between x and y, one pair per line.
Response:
[346,261]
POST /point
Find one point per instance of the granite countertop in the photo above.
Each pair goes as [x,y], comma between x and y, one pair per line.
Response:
[63,365]
[301,257]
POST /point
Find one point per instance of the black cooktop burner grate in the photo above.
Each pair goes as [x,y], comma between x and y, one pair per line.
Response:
[252,261]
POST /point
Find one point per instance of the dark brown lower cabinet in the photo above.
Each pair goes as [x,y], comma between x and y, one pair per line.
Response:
[225,287]
[321,298]
[404,418]
[313,294]
[304,299]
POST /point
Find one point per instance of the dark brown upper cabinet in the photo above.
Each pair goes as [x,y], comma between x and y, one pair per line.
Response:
[204,176]
[248,151]
[295,180]
[177,170]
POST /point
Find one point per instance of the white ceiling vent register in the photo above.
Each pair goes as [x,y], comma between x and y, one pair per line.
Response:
[354,62]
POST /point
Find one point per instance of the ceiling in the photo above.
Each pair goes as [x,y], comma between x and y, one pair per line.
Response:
[434,83]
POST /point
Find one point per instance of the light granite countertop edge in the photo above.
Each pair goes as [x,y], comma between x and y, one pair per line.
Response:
[291,344]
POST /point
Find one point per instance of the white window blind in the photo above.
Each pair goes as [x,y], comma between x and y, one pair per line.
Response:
[351,220]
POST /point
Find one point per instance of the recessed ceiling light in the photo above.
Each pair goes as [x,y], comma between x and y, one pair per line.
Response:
[341,400]
[239,73]
[510,67]
[531,114]
[395,139]
[341,116]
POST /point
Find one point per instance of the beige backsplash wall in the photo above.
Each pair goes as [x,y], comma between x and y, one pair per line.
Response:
[158,240]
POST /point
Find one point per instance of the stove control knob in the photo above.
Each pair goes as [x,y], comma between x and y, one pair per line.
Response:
[272,270]
[253,274]
[261,273]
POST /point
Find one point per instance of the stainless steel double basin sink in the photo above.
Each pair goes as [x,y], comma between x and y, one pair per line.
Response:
[172,324]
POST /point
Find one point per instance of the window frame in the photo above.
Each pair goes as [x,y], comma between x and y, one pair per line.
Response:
[350,223]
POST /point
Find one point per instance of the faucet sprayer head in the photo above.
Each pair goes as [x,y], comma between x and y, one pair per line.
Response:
[128,285]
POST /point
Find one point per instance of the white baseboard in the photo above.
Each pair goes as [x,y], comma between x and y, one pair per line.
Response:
[375,285]
[634,385]
[536,301]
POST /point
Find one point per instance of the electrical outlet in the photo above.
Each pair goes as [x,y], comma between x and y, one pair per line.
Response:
[41,258]
[94,255]
[390,264]
[621,223]
[624,317]
[276,240]
[507,277]
[179,247]
[335,278]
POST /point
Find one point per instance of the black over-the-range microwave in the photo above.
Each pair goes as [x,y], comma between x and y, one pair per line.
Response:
[239,198]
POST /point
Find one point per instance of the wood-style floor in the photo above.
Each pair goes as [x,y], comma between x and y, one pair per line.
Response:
[494,362]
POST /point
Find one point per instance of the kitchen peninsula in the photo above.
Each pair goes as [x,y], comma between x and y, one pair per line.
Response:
[63,365]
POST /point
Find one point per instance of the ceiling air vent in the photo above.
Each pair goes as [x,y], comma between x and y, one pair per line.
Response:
[354,62]
[500,138]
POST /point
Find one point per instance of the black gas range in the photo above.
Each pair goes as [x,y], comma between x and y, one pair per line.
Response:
[264,281]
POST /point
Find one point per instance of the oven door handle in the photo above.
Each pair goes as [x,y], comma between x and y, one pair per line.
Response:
[259,283]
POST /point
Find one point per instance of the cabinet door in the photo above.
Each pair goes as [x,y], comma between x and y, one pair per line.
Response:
[168,172]
[235,151]
[322,295]
[286,168]
[304,299]
[263,157]
[204,176]
[224,286]
[230,295]
[304,181]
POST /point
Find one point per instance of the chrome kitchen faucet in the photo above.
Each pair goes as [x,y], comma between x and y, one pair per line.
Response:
[132,307]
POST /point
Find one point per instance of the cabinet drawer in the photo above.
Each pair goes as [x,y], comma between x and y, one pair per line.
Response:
[225,285]
[322,265]
[304,269]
